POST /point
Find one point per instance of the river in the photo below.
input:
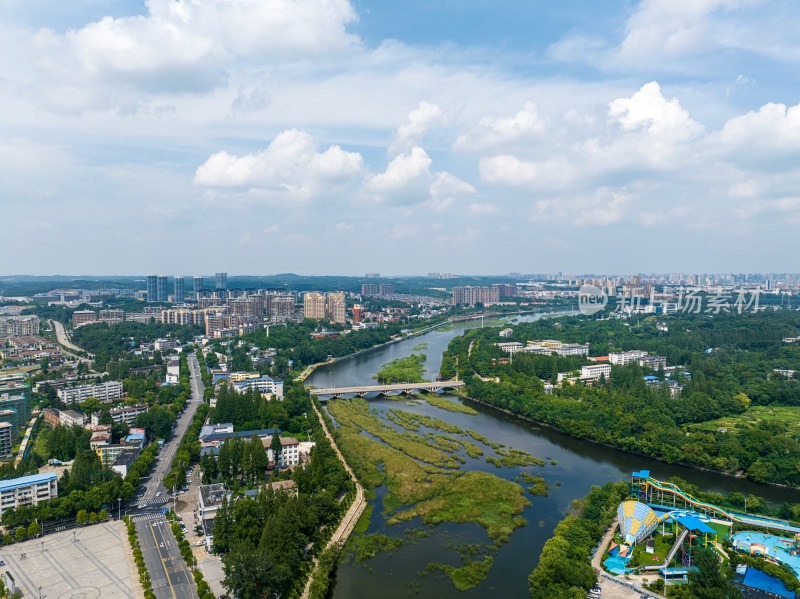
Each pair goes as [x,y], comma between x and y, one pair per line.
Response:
[580,464]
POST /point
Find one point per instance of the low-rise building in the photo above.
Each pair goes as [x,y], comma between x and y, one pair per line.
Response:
[654,362]
[99,439]
[510,347]
[112,316]
[27,490]
[573,349]
[174,370]
[52,416]
[71,418]
[108,391]
[124,461]
[264,385]
[127,414]
[626,357]
[82,317]
[290,453]
[595,371]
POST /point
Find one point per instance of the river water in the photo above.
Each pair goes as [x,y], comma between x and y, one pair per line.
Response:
[579,465]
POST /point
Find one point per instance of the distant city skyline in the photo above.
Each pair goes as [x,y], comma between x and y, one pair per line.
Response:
[334,136]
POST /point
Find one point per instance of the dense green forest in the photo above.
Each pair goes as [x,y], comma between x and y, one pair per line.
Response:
[729,358]
[113,342]
[563,571]
[265,540]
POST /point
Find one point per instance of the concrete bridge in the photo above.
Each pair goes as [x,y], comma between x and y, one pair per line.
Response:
[398,388]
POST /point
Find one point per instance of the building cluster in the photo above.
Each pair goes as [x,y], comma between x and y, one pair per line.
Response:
[332,306]
[545,347]
[212,436]
[29,348]
[268,387]
[117,456]
[210,497]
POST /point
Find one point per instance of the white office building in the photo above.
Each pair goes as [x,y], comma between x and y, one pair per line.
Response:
[626,357]
[594,371]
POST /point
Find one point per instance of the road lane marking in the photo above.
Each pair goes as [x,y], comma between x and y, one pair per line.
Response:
[163,563]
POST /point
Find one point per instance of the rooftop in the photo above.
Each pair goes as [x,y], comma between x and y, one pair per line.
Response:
[13,483]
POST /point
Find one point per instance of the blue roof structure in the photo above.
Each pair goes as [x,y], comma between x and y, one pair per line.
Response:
[134,437]
[22,481]
[763,582]
[642,474]
[695,525]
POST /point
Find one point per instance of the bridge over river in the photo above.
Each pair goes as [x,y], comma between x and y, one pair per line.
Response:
[394,389]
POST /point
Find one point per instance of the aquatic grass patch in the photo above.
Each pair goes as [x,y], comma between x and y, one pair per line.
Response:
[468,575]
[445,404]
[402,370]
[479,497]
[516,457]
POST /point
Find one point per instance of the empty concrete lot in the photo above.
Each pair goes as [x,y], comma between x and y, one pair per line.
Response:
[89,565]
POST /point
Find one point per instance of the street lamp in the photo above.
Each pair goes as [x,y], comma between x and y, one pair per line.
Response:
[119,508]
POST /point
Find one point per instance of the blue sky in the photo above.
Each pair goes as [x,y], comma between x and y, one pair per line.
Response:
[336,136]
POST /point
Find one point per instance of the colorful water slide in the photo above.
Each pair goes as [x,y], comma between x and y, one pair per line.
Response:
[671,553]
[762,521]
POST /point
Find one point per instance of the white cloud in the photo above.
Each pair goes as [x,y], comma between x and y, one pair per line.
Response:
[773,129]
[290,164]
[420,120]
[509,170]
[649,111]
[492,132]
[479,209]
[406,176]
[401,231]
[182,46]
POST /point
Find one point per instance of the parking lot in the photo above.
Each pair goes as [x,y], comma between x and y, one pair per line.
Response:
[91,563]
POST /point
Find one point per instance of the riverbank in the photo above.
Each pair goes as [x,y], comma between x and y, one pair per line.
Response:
[309,370]
[508,412]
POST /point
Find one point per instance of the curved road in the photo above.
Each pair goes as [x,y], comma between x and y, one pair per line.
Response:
[63,338]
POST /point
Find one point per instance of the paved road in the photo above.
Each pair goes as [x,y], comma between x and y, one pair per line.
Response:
[168,571]
[163,462]
[169,575]
[63,339]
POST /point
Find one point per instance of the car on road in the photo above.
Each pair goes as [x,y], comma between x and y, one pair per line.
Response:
[158,494]
[141,506]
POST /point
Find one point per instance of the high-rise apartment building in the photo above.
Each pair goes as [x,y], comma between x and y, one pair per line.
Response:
[336,307]
[368,289]
[198,286]
[19,326]
[152,288]
[357,313]
[222,280]
[469,296]
[161,288]
[281,306]
[313,305]
[180,291]
[386,289]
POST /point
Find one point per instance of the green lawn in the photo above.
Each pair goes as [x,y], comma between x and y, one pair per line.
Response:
[787,414]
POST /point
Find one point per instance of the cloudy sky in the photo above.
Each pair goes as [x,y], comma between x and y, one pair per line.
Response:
[336,137]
